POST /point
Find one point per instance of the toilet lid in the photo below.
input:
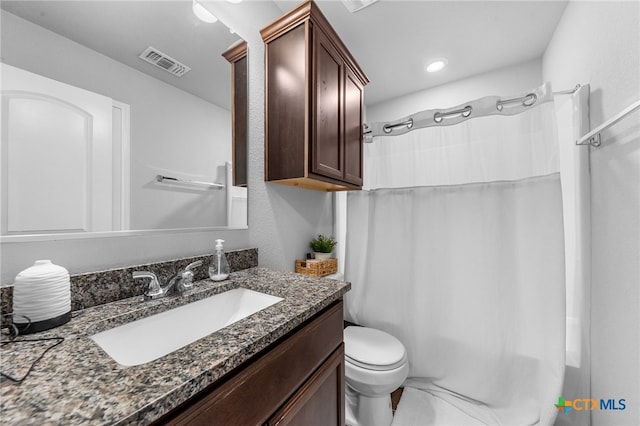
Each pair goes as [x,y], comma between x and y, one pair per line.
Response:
[373,349]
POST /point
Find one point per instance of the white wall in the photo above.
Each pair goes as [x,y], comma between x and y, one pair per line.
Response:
[599,43]
[172,132]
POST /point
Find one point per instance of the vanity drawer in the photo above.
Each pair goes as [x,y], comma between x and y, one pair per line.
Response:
[251,395]
[320,401]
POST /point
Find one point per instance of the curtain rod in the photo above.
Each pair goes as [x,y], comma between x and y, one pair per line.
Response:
[487,106]
[593,137]
[568,92]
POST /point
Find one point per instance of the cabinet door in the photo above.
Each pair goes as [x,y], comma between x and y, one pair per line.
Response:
[320,401]
[239,70]
[286,91]
[353,95]
[327,148]
[251,395]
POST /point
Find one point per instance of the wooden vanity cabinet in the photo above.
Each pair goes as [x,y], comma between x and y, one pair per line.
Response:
[317,402]
[299,380]
[237,57]
[314,104]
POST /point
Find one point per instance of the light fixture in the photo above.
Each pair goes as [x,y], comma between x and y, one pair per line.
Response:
[437,65]
[234,1]
[202,13]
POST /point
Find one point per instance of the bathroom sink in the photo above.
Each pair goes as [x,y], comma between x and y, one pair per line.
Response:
[150,338]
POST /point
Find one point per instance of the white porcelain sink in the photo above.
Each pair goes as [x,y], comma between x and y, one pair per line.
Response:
[150,338]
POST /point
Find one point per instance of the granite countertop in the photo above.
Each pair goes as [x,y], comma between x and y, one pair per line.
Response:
[77,383]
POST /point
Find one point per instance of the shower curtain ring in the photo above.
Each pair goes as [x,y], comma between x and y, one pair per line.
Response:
[530,99]
[387,128]
[464,112]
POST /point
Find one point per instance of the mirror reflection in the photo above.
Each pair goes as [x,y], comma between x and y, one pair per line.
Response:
[115,116]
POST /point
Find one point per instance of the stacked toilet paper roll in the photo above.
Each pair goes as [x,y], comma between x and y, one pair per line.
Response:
[41,297]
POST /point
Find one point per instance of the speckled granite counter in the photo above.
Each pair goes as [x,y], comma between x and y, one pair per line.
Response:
[77,383]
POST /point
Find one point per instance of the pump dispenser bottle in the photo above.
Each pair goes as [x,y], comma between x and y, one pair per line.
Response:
[219,267]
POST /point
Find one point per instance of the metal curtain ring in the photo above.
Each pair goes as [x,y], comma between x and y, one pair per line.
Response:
[530,99]
[387,128]
[464,112]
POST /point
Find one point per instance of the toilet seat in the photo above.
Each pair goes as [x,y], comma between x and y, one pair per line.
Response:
[373,349]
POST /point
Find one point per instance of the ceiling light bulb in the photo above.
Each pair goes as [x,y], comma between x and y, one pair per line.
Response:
[202,13]
[437,65]
[234,1]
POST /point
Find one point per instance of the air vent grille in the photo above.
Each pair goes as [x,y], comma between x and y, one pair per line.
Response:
[356,5]
[163,61]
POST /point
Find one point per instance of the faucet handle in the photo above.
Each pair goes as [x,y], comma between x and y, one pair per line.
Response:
[187,274]
[154,290]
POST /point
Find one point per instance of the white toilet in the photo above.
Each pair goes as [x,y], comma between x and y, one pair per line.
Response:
[375,365]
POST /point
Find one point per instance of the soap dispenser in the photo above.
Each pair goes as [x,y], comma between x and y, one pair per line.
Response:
[219,267]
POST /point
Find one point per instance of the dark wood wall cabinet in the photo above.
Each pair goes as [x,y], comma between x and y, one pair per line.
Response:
[237,56]
[297,381]
[314,104]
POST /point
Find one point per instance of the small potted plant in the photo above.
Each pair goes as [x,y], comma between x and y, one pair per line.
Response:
[322,246]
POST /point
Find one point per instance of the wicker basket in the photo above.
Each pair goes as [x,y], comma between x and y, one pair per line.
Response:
[316,268]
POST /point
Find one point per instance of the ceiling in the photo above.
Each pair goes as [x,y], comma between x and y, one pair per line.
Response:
[392,40]
[123,29]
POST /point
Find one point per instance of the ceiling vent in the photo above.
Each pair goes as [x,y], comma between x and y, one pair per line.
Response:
[356,5]
[166,62]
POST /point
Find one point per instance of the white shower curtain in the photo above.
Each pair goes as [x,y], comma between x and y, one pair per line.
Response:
[460,255]
[572,115]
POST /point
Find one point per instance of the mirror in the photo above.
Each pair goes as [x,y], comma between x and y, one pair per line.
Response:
[96,138]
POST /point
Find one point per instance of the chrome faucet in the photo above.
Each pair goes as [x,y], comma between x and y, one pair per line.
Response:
[177,283]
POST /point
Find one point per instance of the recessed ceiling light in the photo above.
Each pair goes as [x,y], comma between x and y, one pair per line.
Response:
[202,13]
[437,65]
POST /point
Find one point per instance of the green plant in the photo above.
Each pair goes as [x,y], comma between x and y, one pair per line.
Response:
[322,244]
